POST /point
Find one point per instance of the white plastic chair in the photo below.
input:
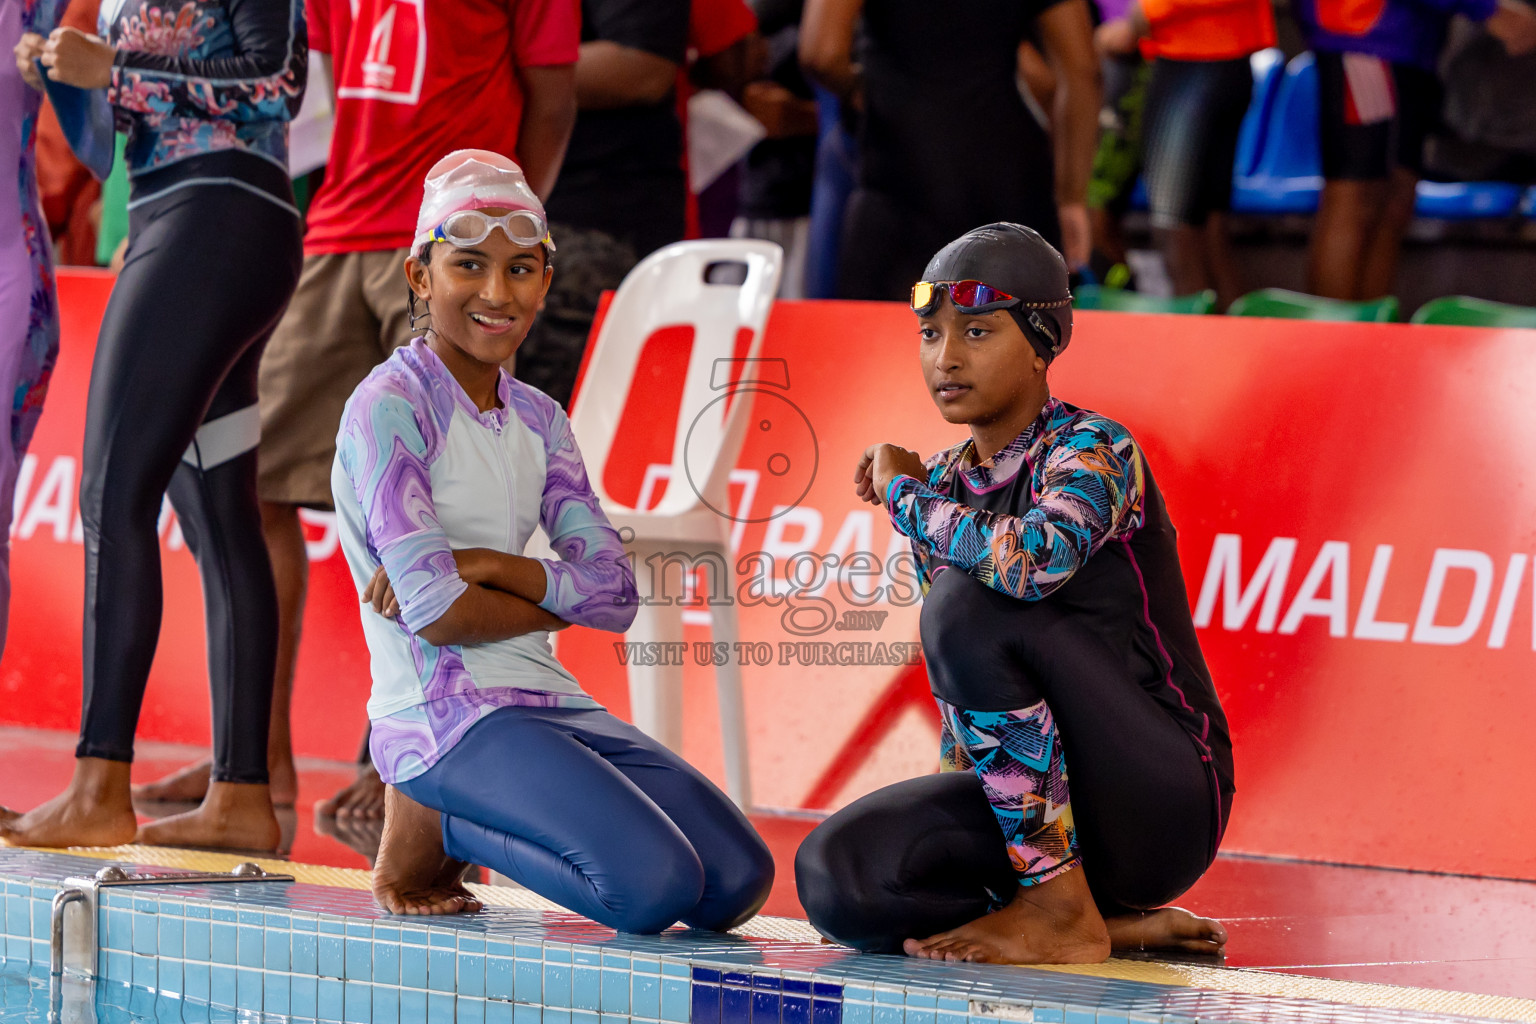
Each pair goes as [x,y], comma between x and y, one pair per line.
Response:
[666,289]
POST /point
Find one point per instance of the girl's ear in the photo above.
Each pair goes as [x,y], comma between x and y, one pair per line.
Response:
[419,276]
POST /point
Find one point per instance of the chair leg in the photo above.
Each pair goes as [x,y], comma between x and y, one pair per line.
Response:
[656,691]
[733,712]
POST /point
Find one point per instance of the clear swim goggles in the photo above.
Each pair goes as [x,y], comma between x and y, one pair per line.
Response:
[471,227]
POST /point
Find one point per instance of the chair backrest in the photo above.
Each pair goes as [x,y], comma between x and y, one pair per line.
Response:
[1466,311]
[672,287]
[1091,296]
[1268,67]
[1291,148]
[1288,305]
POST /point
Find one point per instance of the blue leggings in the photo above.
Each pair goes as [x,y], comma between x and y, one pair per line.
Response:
[588,811]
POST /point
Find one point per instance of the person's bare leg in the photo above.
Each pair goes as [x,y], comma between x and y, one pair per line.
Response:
[1346,215]
[1183,250]
[1220,264]
[96,810]
[412,874]
[234,816]
[1167,928]
[362,798]
[1379,275]
[1054,922]
[361,835]
[290,569]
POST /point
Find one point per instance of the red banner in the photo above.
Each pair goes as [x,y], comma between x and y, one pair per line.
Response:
[1355,512]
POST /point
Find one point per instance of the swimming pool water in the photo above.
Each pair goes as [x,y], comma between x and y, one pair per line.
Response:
[24,999]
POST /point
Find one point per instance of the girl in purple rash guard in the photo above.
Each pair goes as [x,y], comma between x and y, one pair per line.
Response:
[29,306]
[493,753]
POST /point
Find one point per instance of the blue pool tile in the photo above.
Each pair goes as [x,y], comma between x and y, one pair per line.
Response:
[796,1009]
[221,985]
[278,953]
[413,1005]
[386,1005]
[303,995]
[585,1017]
[954,1003]
[704,998]
[357,1002]
[413,967]
[498,1012]
[499,975]
[586,988]
[144,974]
[386,962]
[765,1006]
[708,975]
[645,965]
[248,989]
[200,911]
[41,953]
[305,957]
[614,995]
[223,944]
[252,946]
[523,1013]
[853,1013]
[169,941]
[674,999]
[735,1005]
[960,1018]
[442,968]
[146,934]
[331,951]
[471,974]
[332,926]
[18,948]
[887,1013]
[1078,1015]
[278,919]
[119,928]
[827,1011]
[645,996]
[921,1015]
[274,992]
[557,984]
[359,959]
[551,1015]
[526,950]
[859,993]
[440,1008]
[42,919]
[330,999]
[529,985]
[196,940]
[218,913]
[194,980]
[675,968]
[114,965]
[168,979]
[470,1011]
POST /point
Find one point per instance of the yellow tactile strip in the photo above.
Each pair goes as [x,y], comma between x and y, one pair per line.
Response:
[1220,979]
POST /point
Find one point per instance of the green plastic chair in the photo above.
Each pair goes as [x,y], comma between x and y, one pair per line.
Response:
[1465,311]
[1092,296]
[1289,305]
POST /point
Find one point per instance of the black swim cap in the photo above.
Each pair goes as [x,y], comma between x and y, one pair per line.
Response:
[1016,260]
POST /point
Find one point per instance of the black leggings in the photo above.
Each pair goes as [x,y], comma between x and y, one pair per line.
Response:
[927,855]
[210,269]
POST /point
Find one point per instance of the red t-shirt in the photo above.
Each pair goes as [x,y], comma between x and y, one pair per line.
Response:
[414,81]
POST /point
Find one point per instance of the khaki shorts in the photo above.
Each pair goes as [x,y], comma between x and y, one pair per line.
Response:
[348,314]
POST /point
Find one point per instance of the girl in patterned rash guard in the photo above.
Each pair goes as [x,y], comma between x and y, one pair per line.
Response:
[492,752]
[1057,633]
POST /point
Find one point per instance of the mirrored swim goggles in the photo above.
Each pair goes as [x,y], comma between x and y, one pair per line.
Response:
[971,297]
[471,227]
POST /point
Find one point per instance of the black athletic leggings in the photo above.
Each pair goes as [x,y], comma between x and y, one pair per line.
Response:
[927,855]
[210,268]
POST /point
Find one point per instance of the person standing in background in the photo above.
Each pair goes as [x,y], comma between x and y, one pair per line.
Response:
[412,81]
[1379,98]
[29,302]
[622,193]
[916,79]
[1200,89]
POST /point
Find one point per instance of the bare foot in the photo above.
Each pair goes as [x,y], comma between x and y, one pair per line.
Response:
[1167,928]
[190,784]
[412,874]
[1054,922]
[235,816]
[187,786]
[95,810]
[363,798]
[361,835]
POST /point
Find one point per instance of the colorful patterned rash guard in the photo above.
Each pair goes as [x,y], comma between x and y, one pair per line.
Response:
[419,472]
[1066,515]
[193,77]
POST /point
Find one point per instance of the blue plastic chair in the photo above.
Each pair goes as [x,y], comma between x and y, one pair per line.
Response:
[1268,67]
[1288,176]
[1466,200]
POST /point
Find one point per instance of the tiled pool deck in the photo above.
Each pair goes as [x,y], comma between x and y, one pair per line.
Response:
[315,952]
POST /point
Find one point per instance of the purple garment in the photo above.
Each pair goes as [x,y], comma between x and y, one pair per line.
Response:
[1407,31]
[395,429]
[29,308]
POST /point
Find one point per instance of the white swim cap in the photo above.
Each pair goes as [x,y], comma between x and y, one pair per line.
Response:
[473,179]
